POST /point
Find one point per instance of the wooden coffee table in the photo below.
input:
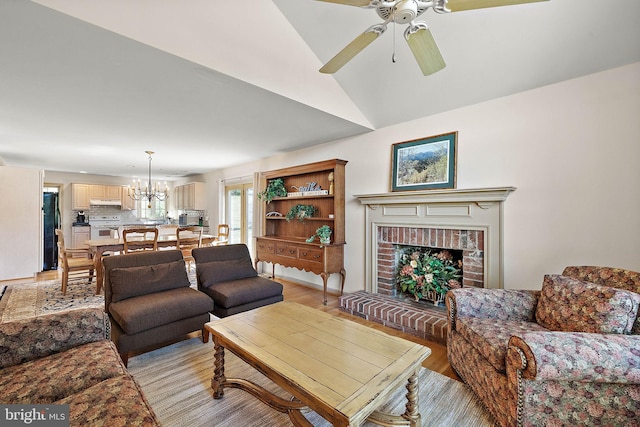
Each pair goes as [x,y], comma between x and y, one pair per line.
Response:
[340,369]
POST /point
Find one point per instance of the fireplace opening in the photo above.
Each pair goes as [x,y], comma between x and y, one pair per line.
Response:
[427,273]
[466,244]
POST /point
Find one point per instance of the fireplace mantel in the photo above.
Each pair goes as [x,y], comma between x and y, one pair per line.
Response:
[477,195]
[460,209]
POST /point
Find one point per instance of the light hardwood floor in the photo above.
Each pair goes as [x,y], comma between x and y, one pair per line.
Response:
[437,361]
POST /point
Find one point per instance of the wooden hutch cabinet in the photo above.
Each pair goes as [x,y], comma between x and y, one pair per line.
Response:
[284,242]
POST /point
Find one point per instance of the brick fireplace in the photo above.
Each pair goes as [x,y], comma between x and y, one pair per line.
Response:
[469,242]
[469,221]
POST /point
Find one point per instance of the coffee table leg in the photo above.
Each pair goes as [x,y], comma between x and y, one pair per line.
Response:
[412,413]
[218,371]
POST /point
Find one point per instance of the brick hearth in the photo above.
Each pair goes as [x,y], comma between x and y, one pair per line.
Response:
[419,320]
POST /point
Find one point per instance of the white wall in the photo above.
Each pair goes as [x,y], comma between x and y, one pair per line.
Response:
[572,149]
[20,222]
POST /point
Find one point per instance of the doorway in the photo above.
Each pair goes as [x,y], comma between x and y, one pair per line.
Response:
[50,221]
[239,213]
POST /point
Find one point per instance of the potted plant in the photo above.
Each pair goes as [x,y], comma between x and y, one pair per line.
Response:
[323,233]
[300,212]
[428,275]
[275,188]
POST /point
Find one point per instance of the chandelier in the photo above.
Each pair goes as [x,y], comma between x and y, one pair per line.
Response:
[149,191]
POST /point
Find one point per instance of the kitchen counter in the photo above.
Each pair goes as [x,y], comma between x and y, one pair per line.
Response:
[80,224]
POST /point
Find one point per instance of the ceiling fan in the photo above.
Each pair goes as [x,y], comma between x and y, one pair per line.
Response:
[417,34]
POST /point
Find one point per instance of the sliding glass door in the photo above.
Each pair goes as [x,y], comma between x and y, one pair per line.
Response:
[239,213]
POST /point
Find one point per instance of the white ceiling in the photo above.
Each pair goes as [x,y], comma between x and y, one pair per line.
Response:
[206,84]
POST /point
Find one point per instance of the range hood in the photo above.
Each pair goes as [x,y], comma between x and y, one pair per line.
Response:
[103,202]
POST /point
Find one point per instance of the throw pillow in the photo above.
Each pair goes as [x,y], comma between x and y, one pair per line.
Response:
[210,273]
[134,281]
[571,305]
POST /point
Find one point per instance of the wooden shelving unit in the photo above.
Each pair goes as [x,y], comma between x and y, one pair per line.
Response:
[283,242]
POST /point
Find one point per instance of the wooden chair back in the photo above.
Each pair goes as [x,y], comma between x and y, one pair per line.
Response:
[223,234]
[140,239]
[72,261]
[187,239]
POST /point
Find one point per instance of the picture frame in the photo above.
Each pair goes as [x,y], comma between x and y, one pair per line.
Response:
[424,164]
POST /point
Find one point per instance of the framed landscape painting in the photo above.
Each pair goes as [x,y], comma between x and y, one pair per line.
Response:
[424,164]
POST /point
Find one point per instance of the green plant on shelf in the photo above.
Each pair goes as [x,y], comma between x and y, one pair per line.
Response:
[275,188]
[300,212]
[323,233]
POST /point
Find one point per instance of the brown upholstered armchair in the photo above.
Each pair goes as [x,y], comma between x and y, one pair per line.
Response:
[566,355]
[149,300]
[226,274]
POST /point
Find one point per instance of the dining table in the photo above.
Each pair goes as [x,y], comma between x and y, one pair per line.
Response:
[98,247]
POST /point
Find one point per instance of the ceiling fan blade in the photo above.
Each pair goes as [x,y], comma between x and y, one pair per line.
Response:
[424,48]
[351,50]
[459,5]
[359,3]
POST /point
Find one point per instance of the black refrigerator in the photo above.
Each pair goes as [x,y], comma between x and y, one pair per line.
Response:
[51,220]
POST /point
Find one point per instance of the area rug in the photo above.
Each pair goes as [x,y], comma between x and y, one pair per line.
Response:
[39,298]
[177,382]
[35,299]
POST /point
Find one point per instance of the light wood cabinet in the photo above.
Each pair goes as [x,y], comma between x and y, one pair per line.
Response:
[104,192]
[190,196]
[80,197]
[79,235]
[96,192]
[126,202]
[284,242]
[112,192]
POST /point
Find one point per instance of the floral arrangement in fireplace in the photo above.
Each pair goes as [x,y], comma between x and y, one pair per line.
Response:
[426,274]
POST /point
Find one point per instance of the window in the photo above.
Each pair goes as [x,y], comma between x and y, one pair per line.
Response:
[157,211]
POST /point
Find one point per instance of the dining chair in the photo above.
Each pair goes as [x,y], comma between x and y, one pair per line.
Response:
[223,234]
[139,239]
[188,238]
[167,230]
[73,261]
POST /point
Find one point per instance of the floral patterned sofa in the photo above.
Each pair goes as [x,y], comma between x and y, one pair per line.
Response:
[67,358]
[566,355]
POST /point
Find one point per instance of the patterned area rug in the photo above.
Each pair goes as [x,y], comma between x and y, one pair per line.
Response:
[35,299]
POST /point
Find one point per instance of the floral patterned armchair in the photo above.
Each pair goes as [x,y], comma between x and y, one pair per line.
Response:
[566,355]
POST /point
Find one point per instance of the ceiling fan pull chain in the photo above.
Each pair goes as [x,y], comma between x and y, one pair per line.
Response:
[393,54]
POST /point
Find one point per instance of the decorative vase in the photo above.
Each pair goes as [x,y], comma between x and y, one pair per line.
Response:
[435,297]
[325,240]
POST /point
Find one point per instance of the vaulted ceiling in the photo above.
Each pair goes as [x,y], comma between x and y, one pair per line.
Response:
[206,84]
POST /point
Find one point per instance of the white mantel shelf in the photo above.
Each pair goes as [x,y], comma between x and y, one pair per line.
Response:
[495,194]
[479,209]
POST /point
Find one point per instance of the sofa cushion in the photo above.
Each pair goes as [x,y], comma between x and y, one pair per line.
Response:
[57,376]
[128,282]
[242,291]
[114,402]
[160,308]
[571,305]
[490,337]
[212,272]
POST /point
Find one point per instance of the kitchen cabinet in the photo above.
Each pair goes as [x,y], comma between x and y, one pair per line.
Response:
[96,192]
[190,196]
[127,203]
[322,185]
[105,192]
[79,235]
[113,192]
[80,197]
